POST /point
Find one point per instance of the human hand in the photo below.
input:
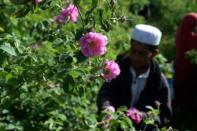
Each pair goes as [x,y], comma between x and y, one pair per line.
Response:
[110,109]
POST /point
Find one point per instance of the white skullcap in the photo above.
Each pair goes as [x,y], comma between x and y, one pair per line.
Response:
[146,34]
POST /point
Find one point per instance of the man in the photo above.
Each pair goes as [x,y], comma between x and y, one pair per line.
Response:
[140,82]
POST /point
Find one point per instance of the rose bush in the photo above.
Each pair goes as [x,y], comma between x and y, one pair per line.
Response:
[50,72]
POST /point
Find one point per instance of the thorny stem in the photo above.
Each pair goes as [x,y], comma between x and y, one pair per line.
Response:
[82,20]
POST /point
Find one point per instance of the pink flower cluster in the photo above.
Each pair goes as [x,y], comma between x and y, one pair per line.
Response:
[69,13]
[134,114]
[38,1]
[111,70]
[93,44]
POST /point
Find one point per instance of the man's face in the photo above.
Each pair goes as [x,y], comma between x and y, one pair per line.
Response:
[140,55]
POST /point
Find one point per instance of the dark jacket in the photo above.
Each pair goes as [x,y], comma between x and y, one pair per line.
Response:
[118,91]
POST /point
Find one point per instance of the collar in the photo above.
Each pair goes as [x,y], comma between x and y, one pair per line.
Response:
[143,75]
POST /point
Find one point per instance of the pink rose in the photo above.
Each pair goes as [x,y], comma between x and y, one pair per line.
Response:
[60,19]
[111,70]
[38,1]
[134,114]
[69,13]
[93,44]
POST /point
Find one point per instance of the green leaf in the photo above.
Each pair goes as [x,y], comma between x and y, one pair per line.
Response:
[124,125]
[5,111]
[149,121]
[122,108]
[150,108]
[19,1]
[76,2]
[75,73]
[8,48]
[128,121]
[68,84]
[80,57]
[62,117]
[23,12]
[1,29]
[17,45]
[64,56]
[10,127]
[94,3]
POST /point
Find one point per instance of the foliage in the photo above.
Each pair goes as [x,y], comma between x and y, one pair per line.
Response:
[191,55]
[167,15]
[165,66]
[119,119]
[45,81]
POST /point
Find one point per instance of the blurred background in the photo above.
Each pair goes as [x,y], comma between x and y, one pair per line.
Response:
[45,81]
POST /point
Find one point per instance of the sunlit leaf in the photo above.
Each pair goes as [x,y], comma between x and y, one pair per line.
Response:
[8,49]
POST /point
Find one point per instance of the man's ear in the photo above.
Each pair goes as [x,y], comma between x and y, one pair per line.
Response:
[155,52]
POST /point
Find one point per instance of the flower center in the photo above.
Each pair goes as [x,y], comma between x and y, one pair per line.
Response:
[106,71]
[92,45]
